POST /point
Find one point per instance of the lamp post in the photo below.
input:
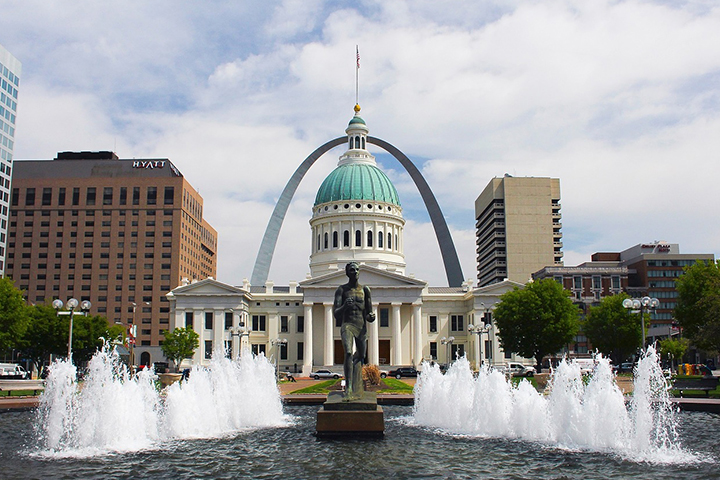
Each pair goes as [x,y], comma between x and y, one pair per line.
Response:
[641,305]
[479,330]
[72,304]
[240,331]
[447,341]
[278,342]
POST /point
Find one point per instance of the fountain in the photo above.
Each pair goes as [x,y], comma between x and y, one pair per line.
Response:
[113,412]
[572,416]
[227,421]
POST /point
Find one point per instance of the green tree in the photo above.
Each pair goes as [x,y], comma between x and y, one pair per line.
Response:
[89,334]
[698,306]
[180,343]
[46,334]
[537,320]
[674,348]
[13,316]
[613,329]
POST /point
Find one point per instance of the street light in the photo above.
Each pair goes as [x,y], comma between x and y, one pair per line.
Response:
[72,304]
[641,305]
[278,342]
[447,341]
[479,330]
[239,331]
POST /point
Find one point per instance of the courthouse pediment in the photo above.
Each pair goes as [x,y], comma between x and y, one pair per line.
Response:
[206,287]
[370,276]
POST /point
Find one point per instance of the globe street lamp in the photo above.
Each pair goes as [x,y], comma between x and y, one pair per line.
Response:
[279,342]
[240,331]
[72,304]
[641,305]
[479,330]
[447,341]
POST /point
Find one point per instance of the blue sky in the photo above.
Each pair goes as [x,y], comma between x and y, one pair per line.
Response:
[618,99]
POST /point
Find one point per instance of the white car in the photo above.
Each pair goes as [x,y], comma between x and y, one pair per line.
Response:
[520,370]
[324,374]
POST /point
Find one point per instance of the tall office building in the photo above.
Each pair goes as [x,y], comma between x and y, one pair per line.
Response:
[120,233]
[517,228]
[9,82]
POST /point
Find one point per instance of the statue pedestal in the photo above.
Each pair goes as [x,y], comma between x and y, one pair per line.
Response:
[357,418]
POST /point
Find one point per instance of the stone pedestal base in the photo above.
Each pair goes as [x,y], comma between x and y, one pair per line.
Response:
[359,418]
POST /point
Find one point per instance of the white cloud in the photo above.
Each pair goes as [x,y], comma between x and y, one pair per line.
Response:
[620,100]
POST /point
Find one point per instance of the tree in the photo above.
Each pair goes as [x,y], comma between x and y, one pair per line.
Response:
[13,315]
[537,320]
[674,348]
[698,306]
[89,334]
[613,329]
[180,343]
[46,334]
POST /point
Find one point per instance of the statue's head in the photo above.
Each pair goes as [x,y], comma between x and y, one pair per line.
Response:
[352,266]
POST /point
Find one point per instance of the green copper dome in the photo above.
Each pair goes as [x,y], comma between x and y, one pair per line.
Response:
[356,119]
[357,181]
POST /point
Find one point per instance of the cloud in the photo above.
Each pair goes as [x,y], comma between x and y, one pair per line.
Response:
[620,100]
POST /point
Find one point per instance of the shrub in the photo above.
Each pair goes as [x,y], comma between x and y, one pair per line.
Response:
[371,374]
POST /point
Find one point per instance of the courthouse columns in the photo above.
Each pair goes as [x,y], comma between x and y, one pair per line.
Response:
[328,351]
[396,338]
[307,339]
[417,334]
[374,339]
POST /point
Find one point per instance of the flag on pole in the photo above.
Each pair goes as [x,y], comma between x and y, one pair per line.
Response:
[357,51]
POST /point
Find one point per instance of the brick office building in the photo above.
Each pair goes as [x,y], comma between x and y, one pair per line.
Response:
[120,233]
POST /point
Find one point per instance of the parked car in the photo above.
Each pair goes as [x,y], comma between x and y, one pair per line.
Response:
[626,367]
[13,371]
[520,370]
[403,372]
[324,374]
[383,374]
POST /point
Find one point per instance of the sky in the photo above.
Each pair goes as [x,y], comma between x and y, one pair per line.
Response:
[620,100]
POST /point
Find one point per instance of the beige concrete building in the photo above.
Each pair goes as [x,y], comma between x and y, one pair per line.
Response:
[119,233]
[517,228]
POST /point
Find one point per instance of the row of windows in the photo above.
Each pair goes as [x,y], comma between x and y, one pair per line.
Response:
[325,245]
[91,196]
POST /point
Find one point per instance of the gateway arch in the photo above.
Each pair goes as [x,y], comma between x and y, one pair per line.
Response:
[453,271]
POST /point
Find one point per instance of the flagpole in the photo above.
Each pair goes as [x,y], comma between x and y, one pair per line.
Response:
[357,74]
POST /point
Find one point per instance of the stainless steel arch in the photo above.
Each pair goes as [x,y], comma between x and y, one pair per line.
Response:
[453,271]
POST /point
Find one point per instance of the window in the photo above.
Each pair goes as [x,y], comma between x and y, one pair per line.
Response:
[258,323]
[335,239]
[380,239]
[169,196]
[90,196]
[47,196]
[189,319]
[457,350]
[283,351]
[457,323]
[325,241]
[389,241]
[615,279]
[596,282]
[258,348]
[433,323]
[61,196]
[358,238]
[228,320]
[384,317]
[152,195]
[577,283]
[208,320]
[346,238]
[300,324]
[208,349]
[107,196]
[369,238]
[433,350]
[300,351]
[76,196]
[284,324]
[136,196]
[123,195]
[29,196]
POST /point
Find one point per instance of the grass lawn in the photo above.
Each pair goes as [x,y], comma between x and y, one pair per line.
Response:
[19,393]
[532,380]
[395,386]
[697,394]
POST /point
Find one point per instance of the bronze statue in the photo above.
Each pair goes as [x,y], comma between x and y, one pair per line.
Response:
[352,307]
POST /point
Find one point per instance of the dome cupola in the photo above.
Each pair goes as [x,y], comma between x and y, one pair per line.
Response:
[357,215]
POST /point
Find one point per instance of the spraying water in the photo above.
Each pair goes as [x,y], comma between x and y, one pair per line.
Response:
[573,415]
[113,412]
